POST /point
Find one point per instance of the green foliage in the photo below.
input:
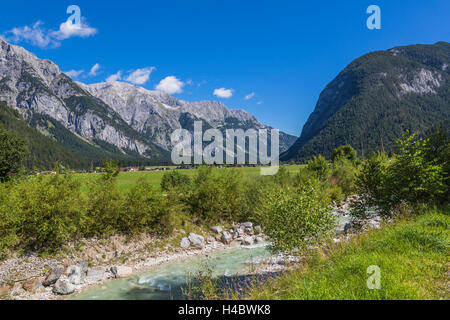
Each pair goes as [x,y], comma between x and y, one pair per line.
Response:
[9,220]
[343,153]
[44,212]
[344,171]
[216,196]
[282,178]
[370,184]
[105,202]
[320,167]
[411,256]
[295,219]
[412,177]
[437,151]
[12,154]
[145,210]
[174,179]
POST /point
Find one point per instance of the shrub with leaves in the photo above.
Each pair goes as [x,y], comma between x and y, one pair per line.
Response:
[52,210]
[12,154]
[105,202]
[344,171]
[295,219]
[141,209]
[320,167]
[411,178]
[174,179]
[345,153]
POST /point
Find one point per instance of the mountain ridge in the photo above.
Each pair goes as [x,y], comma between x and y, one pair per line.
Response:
[100,117]
[376,97]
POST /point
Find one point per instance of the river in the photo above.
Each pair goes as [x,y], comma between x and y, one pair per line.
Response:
[166,281]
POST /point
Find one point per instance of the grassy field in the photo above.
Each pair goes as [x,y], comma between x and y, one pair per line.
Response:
[126,180]
[412,256]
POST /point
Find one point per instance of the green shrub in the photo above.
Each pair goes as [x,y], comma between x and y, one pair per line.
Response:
[345,173]
[411,178]
[174,179]
[216,196]
[105,202]
[140,210]
[52,210]
[295,219]
[345,153]
[320,167]
[254,190]
[282,178]
[12,154]
[10,219]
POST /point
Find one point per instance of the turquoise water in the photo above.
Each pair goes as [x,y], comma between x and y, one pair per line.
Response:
[165,282]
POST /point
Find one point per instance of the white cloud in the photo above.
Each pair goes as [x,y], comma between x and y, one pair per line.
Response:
[94,70]
[259,102]
[140,76]
[68,29]
[114,77]
[249,96]
[74,73]
[39,36]
[170,85]
[223,93]
[34,35]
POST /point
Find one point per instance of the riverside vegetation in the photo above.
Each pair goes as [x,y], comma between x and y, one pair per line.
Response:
[44,213]
[411,190]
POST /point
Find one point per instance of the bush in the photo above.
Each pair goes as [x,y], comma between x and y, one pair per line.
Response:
[411,178]
[345,173]
[105,202]
[140,210]
[282,178]
[216,196]
[12,154]
[174,179]
[295,219]
[345,153]
[370,184]
[253,193]
[10,219]
[319,166]
[51,210]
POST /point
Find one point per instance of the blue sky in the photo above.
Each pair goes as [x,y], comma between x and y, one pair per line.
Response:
[278,54]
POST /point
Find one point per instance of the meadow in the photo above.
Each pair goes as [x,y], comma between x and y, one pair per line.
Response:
[126,180]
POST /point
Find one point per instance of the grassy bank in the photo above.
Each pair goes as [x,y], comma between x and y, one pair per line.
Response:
[412,255]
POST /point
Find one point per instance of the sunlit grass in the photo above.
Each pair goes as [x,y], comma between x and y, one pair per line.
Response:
[126,180]
[412,256]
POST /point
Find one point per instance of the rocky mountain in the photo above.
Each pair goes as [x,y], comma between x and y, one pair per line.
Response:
[375,98]
[115,120]
[156,114]
[37,88]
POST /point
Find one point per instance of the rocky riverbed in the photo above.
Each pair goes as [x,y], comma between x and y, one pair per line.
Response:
[77,267]
[33,277]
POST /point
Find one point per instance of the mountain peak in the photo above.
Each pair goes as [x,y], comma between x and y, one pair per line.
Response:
[117,119]
[379,95]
